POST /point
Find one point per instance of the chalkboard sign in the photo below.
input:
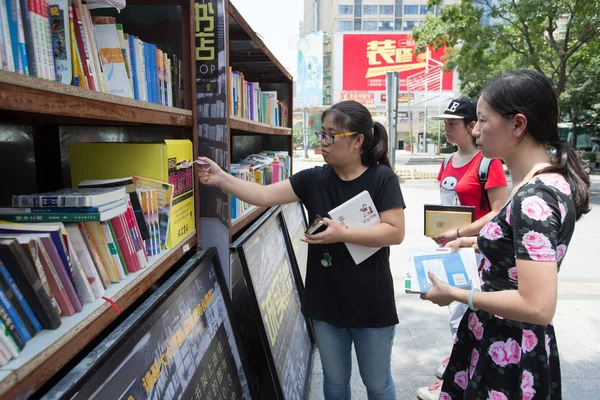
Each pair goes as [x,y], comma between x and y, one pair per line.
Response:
[265,260]
[179,344]
[295,222]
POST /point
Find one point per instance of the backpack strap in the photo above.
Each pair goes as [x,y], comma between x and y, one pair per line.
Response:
[482,174]
[447,160]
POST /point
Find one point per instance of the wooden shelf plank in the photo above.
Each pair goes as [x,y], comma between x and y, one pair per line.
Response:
[246,125]
[26,94]
[48,351]
[246,218]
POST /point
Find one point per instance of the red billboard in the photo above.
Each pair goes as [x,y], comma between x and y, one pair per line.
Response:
[367,58]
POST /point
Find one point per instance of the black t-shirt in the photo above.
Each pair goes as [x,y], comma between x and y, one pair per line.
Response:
[345,294]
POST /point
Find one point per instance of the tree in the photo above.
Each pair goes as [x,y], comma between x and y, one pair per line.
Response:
[553,37]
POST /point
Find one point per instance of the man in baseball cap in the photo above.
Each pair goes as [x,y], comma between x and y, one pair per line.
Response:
[464,108]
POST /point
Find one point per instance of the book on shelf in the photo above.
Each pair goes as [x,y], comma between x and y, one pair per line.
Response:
[18,301]
[247,100]
[458,269]
[9,341]
[25,275]
[169,162]
[357,212]
[61,44]
[60,40]
[33,249]
[164,199]
[129,185]
[86,197]
[56,214]
[56,246]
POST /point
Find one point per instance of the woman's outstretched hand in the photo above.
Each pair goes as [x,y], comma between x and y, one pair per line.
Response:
[209,172]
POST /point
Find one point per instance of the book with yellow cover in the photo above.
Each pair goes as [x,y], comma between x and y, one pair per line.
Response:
[168,161]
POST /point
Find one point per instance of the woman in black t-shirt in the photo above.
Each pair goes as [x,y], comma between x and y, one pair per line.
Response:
[347,303]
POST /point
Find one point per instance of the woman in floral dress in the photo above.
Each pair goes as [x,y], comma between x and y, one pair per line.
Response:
[506,345]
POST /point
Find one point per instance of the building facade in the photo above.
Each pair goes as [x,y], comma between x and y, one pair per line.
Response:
[333,16]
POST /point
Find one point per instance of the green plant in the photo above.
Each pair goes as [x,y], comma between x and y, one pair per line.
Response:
[590,155]
[448,150]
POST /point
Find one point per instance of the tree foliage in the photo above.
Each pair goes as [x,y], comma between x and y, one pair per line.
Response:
[559,38]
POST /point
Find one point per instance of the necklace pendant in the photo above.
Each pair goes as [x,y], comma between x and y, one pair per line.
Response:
[326,261]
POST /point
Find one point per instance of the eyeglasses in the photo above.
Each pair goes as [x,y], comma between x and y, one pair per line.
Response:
[329,138]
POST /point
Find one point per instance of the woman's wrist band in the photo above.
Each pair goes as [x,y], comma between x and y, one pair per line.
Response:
[470,298]
[458,233]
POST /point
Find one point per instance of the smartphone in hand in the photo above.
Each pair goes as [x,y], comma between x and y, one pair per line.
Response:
[317,226]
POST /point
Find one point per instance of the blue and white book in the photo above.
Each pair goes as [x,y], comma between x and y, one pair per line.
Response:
[18,297]
[458,269]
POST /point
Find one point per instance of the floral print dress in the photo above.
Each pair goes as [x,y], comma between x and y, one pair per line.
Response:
[499,359]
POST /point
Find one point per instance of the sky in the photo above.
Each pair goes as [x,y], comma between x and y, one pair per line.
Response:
[278,23]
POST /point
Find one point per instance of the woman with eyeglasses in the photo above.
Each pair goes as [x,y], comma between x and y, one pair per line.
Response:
[347,303]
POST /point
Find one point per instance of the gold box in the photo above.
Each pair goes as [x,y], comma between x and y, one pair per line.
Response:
[439,219]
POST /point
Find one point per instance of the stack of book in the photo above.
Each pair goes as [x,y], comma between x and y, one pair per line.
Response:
[247,100]
[73,245]
[60,40]
[264,168]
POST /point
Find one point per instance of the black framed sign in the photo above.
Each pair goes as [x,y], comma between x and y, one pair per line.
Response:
[295,222]
[264,256]
[181,343]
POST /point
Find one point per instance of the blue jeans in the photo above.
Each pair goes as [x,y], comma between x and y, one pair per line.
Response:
[373,350]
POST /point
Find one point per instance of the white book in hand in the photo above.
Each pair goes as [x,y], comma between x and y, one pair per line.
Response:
[358,212]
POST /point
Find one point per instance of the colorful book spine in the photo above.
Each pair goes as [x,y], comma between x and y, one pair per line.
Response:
[7,338]
[11,328]
[55,282]
[112,250]
[125,243]
[14,317]
[17,36]
[118,248]
[91,245]
[64,276]
[58,12]
[25,276]
[8,60]
[19,301]
[79,78]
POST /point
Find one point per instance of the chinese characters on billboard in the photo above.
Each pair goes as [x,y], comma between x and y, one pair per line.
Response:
[361,97]
[368,57]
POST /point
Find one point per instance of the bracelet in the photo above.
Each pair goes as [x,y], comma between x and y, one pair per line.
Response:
[470,298]
[458,233]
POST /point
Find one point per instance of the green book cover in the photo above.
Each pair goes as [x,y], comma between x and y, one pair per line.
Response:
[118,249]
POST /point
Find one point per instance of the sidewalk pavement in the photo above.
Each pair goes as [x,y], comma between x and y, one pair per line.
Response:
[423,336]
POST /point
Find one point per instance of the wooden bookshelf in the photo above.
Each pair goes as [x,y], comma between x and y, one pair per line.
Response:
[47,352]
[30,97]
[245,125]
[246,218]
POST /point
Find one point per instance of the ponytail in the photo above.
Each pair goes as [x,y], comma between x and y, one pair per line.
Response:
[566,162]
[375,150]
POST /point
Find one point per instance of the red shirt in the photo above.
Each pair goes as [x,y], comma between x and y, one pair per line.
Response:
[460,186]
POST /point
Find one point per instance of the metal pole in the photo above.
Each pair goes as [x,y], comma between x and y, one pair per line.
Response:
[426,101]
[305,126]
[439,112]
[410,117]
[391,86]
